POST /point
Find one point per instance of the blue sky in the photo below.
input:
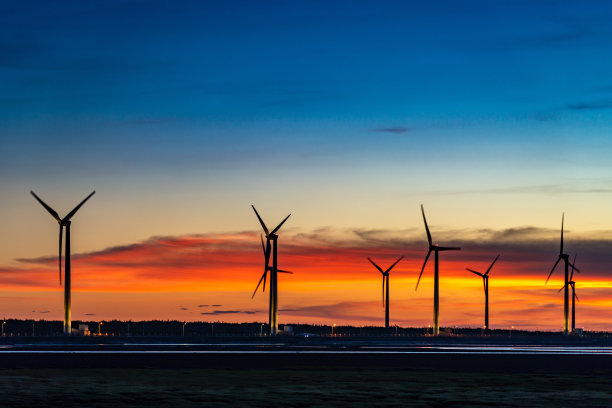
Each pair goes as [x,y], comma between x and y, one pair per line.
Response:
[344,111]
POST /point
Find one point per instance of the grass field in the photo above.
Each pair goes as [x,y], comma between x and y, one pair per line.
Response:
[311,387]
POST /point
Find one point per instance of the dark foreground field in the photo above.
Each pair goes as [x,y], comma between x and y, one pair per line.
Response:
[304,380]
[310,387]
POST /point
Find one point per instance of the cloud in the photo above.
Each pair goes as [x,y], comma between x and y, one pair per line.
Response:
[90,314]
[227,266]
[568,33]
[541,188]
[200,262]
[347,311]
[551,34]
[583,106]
[394,130]
[147,121]
[222,312]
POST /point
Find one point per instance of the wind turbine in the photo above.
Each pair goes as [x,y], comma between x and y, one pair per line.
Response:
[271,245]
[565,258]
[485,282]
[574,296]
[385,287]
[64,223]
[435,248]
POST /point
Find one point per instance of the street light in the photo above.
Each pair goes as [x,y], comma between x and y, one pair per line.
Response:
[333,325]
[261,330]
[99,324]
[3,323]
[184,323]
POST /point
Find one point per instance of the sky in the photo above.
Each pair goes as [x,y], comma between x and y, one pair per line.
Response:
[348,115]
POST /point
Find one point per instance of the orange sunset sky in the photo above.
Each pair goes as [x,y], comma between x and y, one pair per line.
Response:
[210,277]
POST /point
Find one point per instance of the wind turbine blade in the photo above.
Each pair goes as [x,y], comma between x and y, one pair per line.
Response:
[263,225]
[281,224]
[448,248]
[495,260]
[261,279]
[267,253]
[562,219]
[477,273]
[51,210]
[60,253]
[71,213]
[576,269]
[265,275]
[422,269]
[376,266]
[383,291]
[426,227]
[576,296]
[562,287]
[391,267]
[283,271]
[552,270]
[263,247]
[573,268]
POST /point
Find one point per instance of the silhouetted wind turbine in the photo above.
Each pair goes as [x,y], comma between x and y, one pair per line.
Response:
[485,282]
[435,248]
[64,223]
[385,287]
[574,296]
[273,238]
[565,258]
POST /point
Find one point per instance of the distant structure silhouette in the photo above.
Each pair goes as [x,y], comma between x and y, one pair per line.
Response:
[435,248]
[271,245]
[385,287]
[565,258]
[574,296]
[485,282]
[64,223]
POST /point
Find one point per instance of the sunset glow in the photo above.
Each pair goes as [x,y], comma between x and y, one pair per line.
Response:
[211,277]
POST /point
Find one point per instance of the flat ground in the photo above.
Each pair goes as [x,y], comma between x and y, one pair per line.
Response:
[320,374]
[304,387]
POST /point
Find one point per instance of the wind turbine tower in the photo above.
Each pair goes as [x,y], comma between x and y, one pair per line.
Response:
[565,258]
[434,248]
[574,296]
[485,282]
[64,223]
[271,245]
[385,287]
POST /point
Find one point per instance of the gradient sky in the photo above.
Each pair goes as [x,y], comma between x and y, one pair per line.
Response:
[495,115]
